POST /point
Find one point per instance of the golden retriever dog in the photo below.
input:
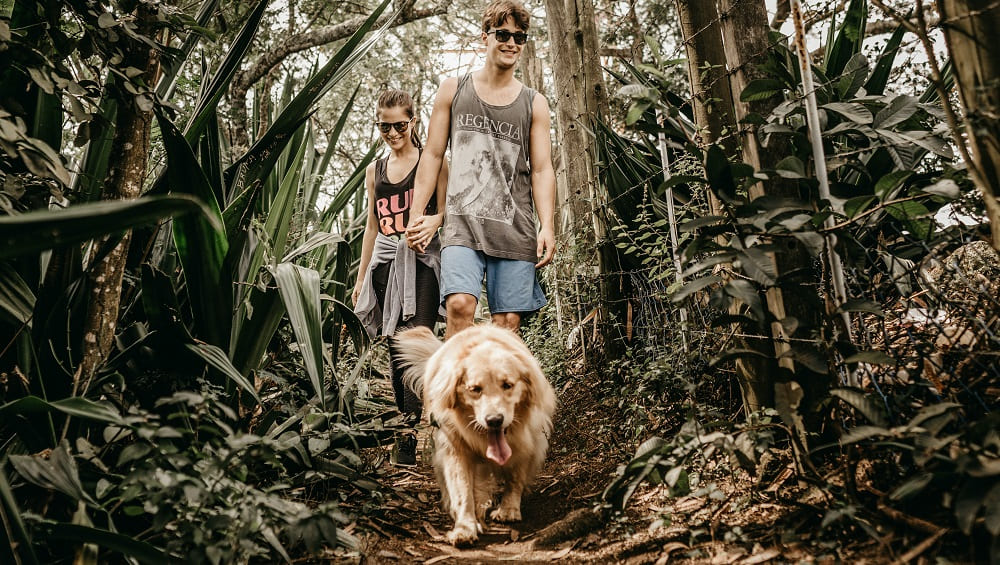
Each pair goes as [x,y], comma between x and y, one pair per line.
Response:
[493,409]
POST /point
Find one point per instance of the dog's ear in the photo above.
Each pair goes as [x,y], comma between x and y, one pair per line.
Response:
[441,384]
[538,391]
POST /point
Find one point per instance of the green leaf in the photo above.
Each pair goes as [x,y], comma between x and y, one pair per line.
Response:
[812,241]
[720,174]
[259,159]
[695,286]
[856,205]
[201,243]
[758,266]
[861,433]
[255,329]
[991,502]
[29,233]
[120,543]
[865,404]
[761,89]
[853,111]
[58,472]
[90,181]
[915,215]
[219,84]
[217,359]
[861,305]
[790,167]
[635,112]
[896,112]
[744,291]
[73,406]
[848,39]
[19,547]
[967,504]
[736,353]
[883,67]
[197,29]
[300,291]
[886,186]
[853,77]
[315,240]
[701,222]
[359,336]
[17,301]
[911,487]
[872,357]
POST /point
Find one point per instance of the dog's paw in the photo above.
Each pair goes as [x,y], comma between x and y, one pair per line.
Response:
[506,514]
[463,534]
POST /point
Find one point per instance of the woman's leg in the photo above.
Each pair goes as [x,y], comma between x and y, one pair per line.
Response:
[426,315]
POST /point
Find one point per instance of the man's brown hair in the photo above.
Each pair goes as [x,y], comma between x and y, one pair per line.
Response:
[499,10]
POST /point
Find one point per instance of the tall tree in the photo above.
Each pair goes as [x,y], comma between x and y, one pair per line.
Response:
[969,27]
[741,30]
[580,98]
[126,174]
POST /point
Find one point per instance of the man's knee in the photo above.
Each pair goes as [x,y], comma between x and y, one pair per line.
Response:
[461,305]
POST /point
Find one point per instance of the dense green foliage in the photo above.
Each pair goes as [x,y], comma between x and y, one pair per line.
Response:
[194,419]
[898,405]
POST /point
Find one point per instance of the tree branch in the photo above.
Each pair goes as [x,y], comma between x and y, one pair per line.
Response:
[322,36]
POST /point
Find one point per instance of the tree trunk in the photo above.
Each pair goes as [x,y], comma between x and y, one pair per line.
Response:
[711,97]
[126,174]
[969,27]
[712,101]
[580,98]
[745,36]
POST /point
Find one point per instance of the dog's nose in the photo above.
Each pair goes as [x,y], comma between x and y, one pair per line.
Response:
[494,421]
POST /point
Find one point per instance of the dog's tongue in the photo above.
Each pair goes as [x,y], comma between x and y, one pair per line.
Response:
[497,450]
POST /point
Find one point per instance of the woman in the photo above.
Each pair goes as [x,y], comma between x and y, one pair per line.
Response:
[397,287]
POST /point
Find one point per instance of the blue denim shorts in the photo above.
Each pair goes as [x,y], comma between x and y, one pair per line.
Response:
[511,285]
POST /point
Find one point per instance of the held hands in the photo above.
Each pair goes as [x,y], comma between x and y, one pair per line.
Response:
[546,247]
[421,230]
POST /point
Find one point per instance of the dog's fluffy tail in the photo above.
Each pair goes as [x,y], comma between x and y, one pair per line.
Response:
[413,348]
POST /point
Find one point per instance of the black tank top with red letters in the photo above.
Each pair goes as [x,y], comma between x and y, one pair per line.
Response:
[392,200]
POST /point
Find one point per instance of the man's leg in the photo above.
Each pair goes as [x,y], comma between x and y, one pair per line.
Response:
[462,271]
[508,320]
[461,312]
[512,290]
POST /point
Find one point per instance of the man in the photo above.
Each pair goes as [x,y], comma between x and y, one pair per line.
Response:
[501,175]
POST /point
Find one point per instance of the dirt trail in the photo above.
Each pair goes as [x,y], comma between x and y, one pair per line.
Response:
[410,527]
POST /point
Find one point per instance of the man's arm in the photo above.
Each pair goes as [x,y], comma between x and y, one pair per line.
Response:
[429,170]
[543,179]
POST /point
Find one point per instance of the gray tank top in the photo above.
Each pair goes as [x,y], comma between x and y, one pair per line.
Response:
[489,205]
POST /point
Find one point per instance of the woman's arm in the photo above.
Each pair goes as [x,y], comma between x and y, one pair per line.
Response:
[371,230]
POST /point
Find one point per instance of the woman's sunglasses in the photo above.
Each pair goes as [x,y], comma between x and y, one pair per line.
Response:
[400,127]
[503,36]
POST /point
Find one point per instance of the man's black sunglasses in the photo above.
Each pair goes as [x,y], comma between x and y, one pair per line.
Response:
[384,127]
[503,36]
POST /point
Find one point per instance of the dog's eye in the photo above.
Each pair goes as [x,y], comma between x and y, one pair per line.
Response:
[507,385]
[475,389]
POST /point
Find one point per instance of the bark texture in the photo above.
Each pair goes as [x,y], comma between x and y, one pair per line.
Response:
[745,33]
[126,175]
[970,26]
